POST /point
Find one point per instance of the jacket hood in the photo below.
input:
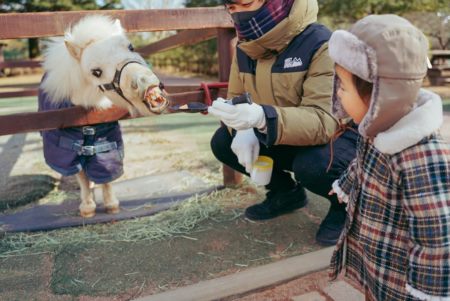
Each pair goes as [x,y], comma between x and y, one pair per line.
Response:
[389,52]
[425,119]
[302,14]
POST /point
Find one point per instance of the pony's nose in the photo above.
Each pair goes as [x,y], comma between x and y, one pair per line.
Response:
[143,81]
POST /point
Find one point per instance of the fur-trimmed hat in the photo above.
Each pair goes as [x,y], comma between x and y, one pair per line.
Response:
[388,51]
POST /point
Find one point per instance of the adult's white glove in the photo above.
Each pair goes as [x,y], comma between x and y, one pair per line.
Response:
[245,146]
[239,117]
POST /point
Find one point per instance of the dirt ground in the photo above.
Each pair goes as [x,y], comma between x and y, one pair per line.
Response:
[61,266]
[56,266]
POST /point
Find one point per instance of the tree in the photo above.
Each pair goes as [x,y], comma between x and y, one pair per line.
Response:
[435,25]
[152,4]
[352,10]
[53,5]
[203,3]
[431,16]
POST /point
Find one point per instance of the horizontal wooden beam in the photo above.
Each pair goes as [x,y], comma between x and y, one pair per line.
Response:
[78,116]
[20,64]
[47,24]
[185,37]
[22,93]
[32,90]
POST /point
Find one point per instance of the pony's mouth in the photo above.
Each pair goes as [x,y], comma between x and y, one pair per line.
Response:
[155,99]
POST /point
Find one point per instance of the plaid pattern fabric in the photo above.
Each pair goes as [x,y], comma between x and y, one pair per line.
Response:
[272,13]
[398,226]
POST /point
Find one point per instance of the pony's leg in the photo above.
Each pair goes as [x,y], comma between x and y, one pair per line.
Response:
[109,199]
[87,206]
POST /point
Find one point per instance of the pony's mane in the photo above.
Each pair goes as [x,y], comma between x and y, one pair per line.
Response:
[64,79]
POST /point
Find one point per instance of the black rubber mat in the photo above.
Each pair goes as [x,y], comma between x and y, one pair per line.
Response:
[50,217]
[138,197]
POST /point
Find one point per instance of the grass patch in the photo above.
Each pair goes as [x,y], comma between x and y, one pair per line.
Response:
[18,102]
[178,221]
[25,189]
[446,105]
[18,105]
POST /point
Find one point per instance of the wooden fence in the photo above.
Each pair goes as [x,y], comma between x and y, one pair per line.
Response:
[196,25]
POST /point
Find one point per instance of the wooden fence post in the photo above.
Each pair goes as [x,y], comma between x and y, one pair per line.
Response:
[225,47]
[2,58]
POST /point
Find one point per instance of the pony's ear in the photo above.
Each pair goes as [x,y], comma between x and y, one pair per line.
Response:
[74,49]
[118,27]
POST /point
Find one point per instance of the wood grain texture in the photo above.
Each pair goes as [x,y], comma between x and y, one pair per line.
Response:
[48,24]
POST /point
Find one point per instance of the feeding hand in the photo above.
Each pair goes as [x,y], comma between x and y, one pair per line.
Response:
[241,116]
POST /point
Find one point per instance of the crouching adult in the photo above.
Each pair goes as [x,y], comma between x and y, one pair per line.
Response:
[282,61]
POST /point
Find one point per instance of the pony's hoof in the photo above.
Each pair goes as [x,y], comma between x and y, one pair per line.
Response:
[113,210]
[87,214]
[87,210]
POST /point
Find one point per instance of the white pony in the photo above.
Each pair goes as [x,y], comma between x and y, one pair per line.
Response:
[95,66]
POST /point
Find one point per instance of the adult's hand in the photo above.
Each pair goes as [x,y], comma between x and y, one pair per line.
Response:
[245,146]
[239,117]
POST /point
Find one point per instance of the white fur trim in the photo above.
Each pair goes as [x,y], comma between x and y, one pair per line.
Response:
[342,196]
[422,296]
[356,61]
[422,121]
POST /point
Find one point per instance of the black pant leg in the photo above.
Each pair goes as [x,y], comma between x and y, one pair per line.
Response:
[282,155]
[310,164]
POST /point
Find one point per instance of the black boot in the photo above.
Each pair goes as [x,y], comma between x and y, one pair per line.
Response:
[278,203]
[332,225]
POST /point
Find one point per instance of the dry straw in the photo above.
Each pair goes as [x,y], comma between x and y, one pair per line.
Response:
[179,221]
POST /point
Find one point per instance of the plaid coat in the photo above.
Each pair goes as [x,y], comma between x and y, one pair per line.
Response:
[396,242]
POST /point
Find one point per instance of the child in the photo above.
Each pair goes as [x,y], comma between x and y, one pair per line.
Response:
[396,242]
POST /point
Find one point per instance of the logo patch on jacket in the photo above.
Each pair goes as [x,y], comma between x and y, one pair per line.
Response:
[292,62]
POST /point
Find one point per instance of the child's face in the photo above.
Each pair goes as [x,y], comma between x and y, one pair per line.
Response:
[353,104]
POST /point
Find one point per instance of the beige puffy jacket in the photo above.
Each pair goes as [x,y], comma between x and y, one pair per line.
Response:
[289,72]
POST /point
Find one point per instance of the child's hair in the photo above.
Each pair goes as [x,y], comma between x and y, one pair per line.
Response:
[363,87]
[229,2]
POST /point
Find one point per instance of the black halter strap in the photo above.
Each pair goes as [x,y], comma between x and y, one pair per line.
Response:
[115,84]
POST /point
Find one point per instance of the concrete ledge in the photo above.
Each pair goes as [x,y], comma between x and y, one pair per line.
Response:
[249,280]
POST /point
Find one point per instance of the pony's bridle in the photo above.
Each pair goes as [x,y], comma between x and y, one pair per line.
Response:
[115,84]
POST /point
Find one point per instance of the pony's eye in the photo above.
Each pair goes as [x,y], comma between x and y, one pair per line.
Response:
[131,48]
[96,72]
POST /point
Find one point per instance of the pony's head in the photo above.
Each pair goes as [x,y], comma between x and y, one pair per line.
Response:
[95,64]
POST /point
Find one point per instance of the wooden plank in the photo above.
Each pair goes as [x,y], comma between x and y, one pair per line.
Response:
[226,42]
[33,90]
[185,37]
[181,88]
[23,93]
[47,24]
[78,116]
[225,45]
[20,64]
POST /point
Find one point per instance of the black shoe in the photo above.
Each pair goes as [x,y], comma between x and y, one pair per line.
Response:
[278,203]
[331,227]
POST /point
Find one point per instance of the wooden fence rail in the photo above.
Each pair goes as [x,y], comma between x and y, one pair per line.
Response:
[183,38]
[78,116]
[198,24]
[49,24]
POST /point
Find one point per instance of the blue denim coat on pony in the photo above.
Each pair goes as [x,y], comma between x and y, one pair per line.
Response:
[96,149]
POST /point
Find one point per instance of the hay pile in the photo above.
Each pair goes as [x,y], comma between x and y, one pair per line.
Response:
[176,222]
